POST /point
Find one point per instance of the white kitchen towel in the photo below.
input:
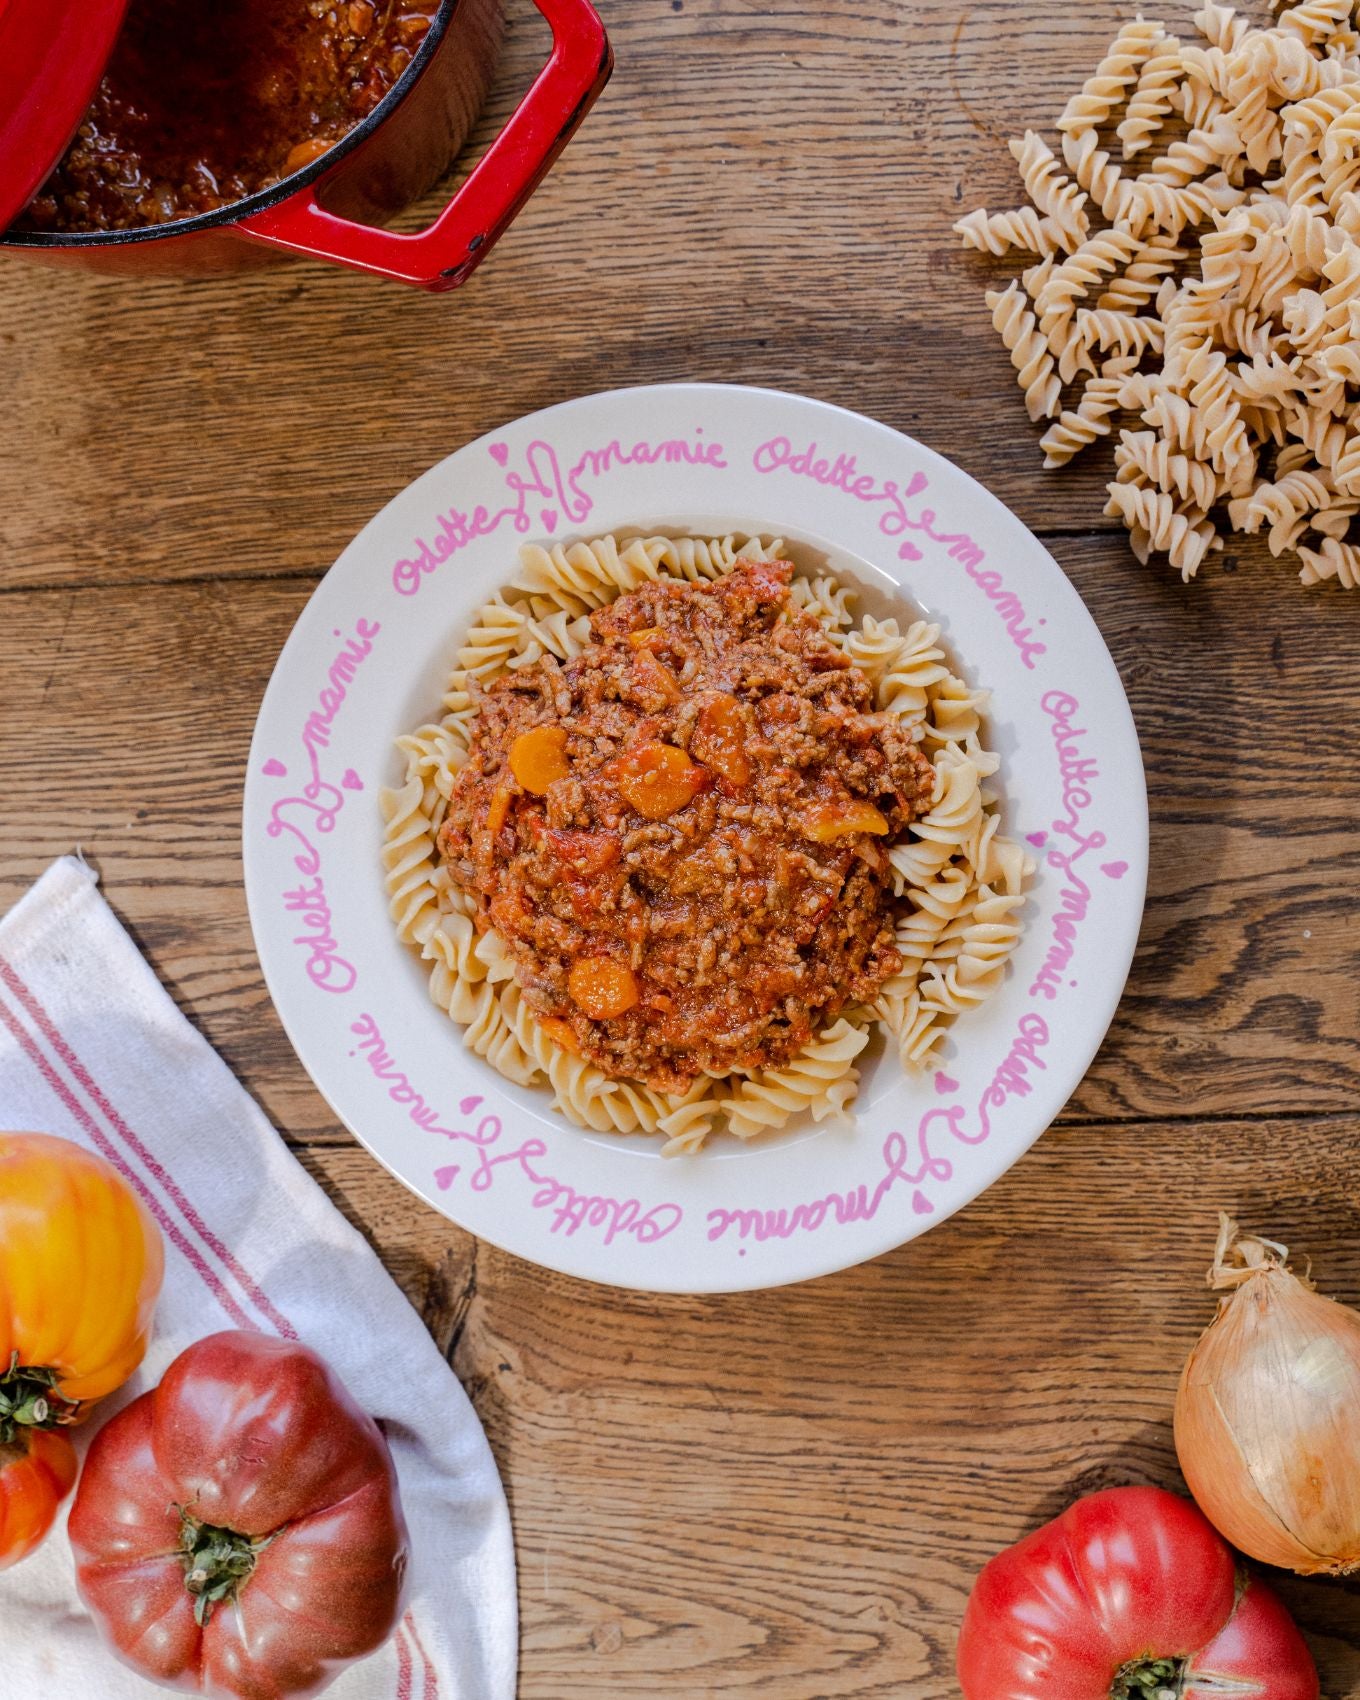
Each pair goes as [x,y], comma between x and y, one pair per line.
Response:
[93,1049]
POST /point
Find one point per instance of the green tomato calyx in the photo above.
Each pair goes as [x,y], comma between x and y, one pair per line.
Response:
[217,1562]
[1150,1679]
[29,1400]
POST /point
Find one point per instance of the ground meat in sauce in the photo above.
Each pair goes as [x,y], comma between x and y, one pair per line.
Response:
[750,901]
[201,105]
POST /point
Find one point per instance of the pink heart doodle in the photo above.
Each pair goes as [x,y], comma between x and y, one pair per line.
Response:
[275,768]
[351,780]
[908,552]
[549,518]
[468,1105]
[1037,838]
[444,1178]
[921,1204]
[1115,870]
[944,1084]
[500,453]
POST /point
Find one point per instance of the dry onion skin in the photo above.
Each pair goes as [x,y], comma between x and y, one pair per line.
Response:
[1268,1413]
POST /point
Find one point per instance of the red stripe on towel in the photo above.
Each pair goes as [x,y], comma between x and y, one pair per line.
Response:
[431,1674]
[404,1673]
[108,1150]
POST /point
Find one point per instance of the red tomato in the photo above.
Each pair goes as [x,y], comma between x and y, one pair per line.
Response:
[37,1471]
[1260,1650]
[1127,1592]
[238,1531]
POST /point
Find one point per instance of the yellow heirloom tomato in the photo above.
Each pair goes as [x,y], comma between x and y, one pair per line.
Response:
[81,1264]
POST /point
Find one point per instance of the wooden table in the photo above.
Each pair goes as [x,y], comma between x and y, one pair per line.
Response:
[782,1494]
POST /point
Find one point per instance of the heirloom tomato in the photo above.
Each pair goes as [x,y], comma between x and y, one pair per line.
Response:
[80,1271]
[37,1471]
[1130,1594]
[238,1531]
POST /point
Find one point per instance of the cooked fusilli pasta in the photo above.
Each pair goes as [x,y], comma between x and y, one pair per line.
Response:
[960,880]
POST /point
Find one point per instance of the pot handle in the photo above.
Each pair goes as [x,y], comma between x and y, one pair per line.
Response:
[443,255]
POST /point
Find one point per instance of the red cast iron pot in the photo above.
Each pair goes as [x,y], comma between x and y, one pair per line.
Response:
[330,208]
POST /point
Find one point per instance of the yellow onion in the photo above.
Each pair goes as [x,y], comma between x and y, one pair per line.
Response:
[1268,1413]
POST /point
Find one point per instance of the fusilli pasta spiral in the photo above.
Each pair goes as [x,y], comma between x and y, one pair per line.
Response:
[1105,90]
[997,233]
[1158,523]
[1030,354]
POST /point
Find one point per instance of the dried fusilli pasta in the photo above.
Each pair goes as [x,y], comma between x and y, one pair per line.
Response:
[1158,522]
[1105,90]
[1153,100]
[997,233]
[1054,194]
[1224,279]
[1072,432]
[1030,353]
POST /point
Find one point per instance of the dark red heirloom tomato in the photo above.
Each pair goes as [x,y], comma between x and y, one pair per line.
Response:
[238,1531]
[1130,1595]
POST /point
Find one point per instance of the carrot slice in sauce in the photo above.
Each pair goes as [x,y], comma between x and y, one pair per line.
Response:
[500,808]
[602,987]
[719,739]
[538,758]
[824,822]
[657,779]
[560,1032]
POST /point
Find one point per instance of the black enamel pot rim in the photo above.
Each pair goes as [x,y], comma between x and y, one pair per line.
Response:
[270,197]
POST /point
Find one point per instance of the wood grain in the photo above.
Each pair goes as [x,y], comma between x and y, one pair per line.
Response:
[781,1495]
[787,1494]
[764,194]
[1243,989]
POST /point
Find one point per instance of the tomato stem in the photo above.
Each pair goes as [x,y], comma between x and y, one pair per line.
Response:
[1150,1679]
[217,1562]
[29,1399]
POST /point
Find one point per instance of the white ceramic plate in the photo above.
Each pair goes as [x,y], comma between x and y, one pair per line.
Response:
[367,660]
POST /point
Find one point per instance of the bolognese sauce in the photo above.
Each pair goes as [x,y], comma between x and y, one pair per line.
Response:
[202,105]
[681,833]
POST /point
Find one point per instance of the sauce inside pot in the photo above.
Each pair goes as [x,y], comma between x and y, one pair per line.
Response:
[202,105]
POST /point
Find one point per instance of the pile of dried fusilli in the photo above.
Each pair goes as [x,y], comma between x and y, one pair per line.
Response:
[1220,301]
